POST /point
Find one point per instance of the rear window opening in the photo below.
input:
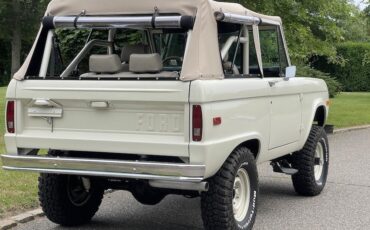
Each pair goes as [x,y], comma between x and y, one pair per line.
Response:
[112,54]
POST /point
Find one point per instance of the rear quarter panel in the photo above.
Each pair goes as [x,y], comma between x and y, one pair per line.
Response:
[243,105]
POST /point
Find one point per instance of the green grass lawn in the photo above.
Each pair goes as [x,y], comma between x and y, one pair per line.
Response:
[18,191]
[350,109]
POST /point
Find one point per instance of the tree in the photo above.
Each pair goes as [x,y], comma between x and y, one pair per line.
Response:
[313,28]
[367,16]
[19,22]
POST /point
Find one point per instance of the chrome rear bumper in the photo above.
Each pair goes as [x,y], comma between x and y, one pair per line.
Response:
[171,172]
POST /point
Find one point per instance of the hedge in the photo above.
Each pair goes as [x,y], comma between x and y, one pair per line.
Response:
[354,74]
[334,86]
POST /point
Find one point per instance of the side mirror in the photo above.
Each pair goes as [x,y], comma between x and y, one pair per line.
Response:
[290,72]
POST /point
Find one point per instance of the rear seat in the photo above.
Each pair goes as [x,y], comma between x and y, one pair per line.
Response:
[140,66]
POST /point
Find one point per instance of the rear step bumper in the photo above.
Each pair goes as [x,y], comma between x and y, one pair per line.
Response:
[168,175]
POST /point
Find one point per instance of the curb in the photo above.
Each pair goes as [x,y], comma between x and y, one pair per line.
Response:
[355,128]
[20,219]
[28,216]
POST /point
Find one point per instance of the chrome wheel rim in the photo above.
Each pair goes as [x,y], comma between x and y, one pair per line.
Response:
[241,195]
[76,191]
[319,161]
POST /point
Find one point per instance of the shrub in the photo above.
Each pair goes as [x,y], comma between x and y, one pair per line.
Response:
[354,74]
[333,85]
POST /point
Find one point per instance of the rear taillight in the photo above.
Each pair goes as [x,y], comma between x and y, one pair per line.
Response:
[10,125]
[197,123]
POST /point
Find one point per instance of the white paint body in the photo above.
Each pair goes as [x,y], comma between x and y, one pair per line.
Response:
[154,117]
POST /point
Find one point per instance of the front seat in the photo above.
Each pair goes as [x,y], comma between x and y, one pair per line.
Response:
[106,64]
[229,67]
[128,50]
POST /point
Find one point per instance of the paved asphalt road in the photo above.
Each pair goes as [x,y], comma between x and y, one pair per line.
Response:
[344,204]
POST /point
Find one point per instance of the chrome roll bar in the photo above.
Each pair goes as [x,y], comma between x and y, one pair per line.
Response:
[237,19]
[111,22]
[242,19]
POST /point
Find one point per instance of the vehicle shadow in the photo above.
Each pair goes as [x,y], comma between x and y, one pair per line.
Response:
[175,212]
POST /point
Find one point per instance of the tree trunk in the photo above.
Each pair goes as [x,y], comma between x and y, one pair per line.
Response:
[16,39]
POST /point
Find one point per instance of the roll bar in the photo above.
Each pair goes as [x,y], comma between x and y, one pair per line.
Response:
[82,54]
[111,22]
[242,19]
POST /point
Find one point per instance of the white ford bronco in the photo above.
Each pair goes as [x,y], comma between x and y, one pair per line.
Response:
[163,97]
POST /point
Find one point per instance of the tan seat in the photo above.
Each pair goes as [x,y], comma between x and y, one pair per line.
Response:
[141,66]
[103,64]
[145,63]
[229,67]
[109,63]
[128,50]
[129,75]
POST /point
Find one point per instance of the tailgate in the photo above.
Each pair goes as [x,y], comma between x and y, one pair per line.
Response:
[134,117]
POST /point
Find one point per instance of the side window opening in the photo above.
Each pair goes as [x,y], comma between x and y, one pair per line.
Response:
[236,41]
[231,51]
[273,52]
[234,44]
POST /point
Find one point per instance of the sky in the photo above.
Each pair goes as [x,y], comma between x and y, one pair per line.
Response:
[360,4]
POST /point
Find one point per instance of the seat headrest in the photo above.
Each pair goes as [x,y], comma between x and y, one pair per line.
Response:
[146,63]
[110,63]
[132,49]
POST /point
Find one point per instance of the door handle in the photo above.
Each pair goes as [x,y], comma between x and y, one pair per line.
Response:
[42,103]
[99,104]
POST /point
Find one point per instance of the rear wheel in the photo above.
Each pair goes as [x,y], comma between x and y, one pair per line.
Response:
[69,200]
[231,201]
[312,163]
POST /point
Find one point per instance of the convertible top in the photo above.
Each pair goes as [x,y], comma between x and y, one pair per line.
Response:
[202,59]
[129,7]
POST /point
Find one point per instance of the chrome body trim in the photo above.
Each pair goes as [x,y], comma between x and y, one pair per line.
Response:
[106,168]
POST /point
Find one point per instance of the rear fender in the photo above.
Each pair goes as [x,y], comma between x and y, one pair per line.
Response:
[213,154]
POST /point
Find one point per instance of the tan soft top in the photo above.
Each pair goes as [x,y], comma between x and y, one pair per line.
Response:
[119,7]
[202,59]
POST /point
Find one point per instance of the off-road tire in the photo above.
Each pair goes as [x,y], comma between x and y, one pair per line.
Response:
[57,205]
[217,202]
[304,180]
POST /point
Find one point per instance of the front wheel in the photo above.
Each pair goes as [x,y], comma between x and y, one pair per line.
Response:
[312,163]
[231,201]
